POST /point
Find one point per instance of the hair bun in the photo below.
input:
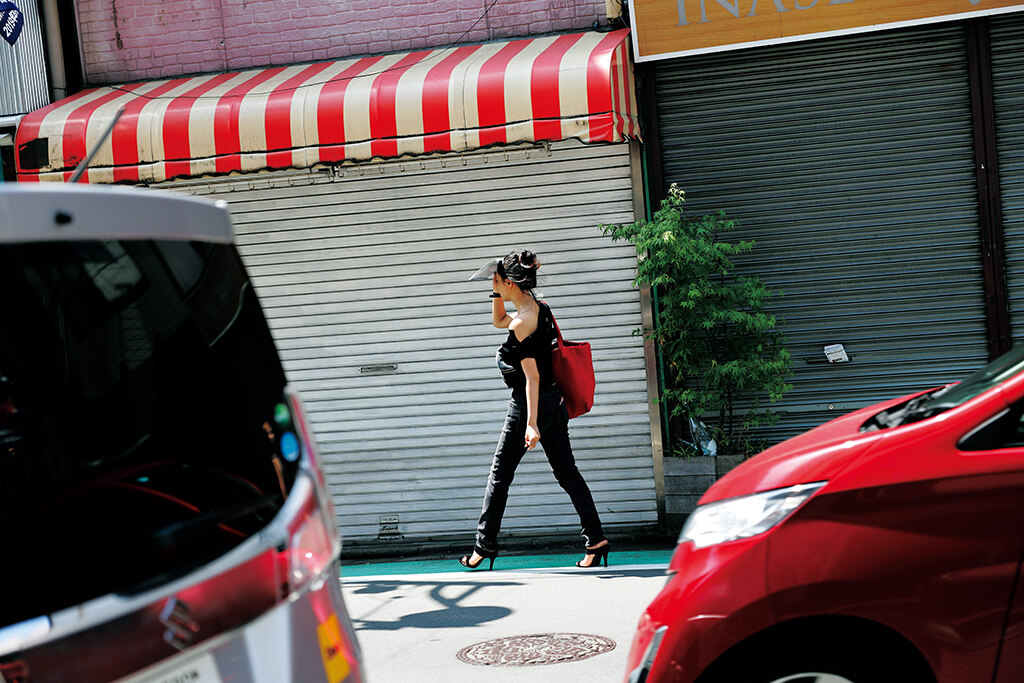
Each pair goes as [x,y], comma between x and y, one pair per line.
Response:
[528,259]
[520,267]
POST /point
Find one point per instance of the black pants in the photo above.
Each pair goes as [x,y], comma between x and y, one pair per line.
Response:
[553,422]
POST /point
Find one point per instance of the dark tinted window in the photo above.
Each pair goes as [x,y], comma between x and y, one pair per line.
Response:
[141,417]
[1005,430]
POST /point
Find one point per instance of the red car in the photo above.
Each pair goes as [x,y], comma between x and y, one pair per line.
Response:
[882,547]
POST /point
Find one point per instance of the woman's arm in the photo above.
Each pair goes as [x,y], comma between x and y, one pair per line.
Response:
[498,315]
[532,401]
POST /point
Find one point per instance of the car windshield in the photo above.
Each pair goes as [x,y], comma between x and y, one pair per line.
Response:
[141,414]
[944,398]
[996,372]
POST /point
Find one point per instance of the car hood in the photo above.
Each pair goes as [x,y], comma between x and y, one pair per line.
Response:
[816,455]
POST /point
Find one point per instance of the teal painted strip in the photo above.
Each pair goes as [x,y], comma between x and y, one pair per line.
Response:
[514,562]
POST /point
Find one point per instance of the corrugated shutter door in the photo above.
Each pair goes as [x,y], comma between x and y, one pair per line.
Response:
[850,162]
[23,67]
[364,279]
[1007,37]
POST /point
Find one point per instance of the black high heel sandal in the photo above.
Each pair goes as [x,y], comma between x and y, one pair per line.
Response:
[600,553]
[484,555]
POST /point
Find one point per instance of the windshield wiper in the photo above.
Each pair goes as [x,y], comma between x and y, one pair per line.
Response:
[175,534]
[914,410]
[917,411]
[220,516]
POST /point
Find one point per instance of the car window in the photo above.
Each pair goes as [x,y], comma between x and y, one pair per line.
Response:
[1005,430]
[141,402]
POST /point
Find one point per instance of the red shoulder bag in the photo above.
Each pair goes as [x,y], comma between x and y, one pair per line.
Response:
[573,367]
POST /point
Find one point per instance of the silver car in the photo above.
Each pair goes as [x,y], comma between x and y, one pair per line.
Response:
[162,512]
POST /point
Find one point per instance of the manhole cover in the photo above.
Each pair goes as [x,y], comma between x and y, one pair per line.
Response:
[532,650]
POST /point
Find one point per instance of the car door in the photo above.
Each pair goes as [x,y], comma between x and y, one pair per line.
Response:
[923,533]
[1003,436]
[1011,660]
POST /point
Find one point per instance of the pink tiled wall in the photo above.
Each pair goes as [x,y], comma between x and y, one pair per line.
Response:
[126,40]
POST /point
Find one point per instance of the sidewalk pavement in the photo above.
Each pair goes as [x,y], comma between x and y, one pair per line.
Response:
[413,618]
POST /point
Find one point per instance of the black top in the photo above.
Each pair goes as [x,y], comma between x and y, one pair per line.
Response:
[537,346]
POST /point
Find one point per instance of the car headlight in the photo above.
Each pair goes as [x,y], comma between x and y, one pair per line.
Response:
[745,516]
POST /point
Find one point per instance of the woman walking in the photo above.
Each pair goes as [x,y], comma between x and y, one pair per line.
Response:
[535,412]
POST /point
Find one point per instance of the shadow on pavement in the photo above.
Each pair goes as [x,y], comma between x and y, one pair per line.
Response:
[452,614]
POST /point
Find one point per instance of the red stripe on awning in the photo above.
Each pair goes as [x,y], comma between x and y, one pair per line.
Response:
[601,98]
[490,94]
[278,116]
[226,133]
[125,136]
[454,99]
[330,108]
[29,129]
[436,100]
[77,127]
[383,117]
[547,110]
[177,147]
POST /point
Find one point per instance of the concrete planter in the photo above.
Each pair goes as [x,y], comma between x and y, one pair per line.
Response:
[724,463]
[686,480]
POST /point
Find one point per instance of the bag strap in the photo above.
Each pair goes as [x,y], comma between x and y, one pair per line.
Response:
[558,332]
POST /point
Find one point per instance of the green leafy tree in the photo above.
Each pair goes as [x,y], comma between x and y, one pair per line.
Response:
[721,347]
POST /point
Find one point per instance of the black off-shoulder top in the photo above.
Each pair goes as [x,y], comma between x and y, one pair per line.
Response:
[538,345]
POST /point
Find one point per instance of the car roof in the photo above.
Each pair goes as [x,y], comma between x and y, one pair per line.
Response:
[34,213]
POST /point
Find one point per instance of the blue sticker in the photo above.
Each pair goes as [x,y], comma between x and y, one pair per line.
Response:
[289,447]
[11,21]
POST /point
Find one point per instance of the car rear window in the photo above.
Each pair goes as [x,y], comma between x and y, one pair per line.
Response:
[142,417]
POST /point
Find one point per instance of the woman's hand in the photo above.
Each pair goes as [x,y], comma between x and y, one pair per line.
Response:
[532,436]
[499,317]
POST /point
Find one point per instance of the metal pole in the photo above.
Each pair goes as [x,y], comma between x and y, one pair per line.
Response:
[80,169]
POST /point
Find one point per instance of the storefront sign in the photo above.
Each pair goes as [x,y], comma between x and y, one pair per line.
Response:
[673,28]
[11,21]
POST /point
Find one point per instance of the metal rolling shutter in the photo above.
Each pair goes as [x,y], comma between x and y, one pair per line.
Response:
[1007,38]
[850,162]
[23,67]
[363,274]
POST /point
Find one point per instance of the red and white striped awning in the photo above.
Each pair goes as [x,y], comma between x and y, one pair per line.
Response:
[455,99]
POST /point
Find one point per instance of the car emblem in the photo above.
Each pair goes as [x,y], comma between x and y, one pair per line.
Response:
[181,627]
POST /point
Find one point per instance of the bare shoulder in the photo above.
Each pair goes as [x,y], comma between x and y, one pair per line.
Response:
[525,324]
